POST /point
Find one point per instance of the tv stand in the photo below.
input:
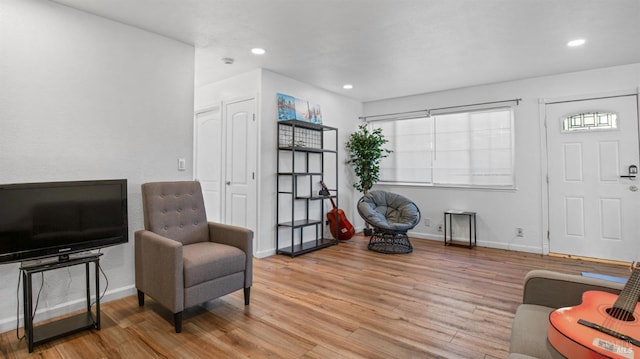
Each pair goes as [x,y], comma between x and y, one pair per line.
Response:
[65,326]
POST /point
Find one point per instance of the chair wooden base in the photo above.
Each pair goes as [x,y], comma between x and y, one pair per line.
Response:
[177,317]
[177,321]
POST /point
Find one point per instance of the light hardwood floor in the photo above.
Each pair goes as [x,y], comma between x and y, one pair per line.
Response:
[339,302]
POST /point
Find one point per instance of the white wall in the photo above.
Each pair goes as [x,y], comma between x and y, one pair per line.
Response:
[500,212]
[82,97]
[242,86]
[337,111]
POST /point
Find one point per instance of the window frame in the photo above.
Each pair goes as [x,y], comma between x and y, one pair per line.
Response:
[437,184]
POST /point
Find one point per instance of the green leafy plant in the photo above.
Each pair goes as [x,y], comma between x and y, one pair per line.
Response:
[365,152]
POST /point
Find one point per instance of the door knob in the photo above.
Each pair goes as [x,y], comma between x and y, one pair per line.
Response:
[633,188]
[228,183]
[633,172]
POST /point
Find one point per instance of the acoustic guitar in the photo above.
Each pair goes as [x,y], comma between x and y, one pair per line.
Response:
[339,225]
[604,325]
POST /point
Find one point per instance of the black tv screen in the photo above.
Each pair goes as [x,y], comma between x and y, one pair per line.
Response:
[59,218]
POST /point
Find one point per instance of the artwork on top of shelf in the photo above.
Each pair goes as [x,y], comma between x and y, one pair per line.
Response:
[291,108]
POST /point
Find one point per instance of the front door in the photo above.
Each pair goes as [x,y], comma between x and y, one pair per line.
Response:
[594,211]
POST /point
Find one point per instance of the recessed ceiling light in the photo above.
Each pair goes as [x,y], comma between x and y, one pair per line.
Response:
[258,51]
[576,42]
[347,86]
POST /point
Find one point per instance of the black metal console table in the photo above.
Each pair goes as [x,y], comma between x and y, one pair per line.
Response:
[65,326]
[449,229]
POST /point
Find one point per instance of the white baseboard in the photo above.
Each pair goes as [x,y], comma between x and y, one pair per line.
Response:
[440,238]
[513,247]
[265,253]
[488,244]
[7,324]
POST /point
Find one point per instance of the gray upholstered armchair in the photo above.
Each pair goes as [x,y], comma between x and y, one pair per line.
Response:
[182,260]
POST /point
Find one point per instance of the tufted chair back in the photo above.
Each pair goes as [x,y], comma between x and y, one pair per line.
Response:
[175,210]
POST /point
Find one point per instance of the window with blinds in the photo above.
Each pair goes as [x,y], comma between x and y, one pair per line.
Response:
[474,148]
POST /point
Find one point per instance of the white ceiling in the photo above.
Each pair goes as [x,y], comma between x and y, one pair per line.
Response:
[390,48]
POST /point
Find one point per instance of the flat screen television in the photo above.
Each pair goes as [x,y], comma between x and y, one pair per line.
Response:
[51,219]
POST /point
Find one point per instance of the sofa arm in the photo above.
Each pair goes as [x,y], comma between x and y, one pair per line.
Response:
[239,237]
[557,290]
[158,267]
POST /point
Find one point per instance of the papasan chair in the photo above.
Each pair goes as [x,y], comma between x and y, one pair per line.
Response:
[391,215]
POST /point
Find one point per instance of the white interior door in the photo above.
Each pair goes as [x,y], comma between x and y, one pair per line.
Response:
[208,154]
[240,173]
[593,211]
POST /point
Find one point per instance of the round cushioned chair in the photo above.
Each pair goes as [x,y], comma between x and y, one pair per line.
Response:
[391,215]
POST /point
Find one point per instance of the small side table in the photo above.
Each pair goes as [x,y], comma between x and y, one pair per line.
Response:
[473,235]
[68,325]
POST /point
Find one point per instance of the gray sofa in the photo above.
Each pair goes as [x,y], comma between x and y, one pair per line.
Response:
[545,291]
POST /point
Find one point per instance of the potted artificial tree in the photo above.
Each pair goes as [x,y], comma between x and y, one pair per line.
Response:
[365,152]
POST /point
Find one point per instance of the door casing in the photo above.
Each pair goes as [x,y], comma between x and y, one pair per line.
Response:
[542,103]
[218,154]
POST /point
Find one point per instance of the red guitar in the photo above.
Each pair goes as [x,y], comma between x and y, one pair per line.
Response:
[602,326]
[339,225]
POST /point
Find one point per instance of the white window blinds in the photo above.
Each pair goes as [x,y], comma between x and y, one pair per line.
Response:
[473,148]
[412,143]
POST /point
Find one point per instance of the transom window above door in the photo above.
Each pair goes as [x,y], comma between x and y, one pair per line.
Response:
[588,121]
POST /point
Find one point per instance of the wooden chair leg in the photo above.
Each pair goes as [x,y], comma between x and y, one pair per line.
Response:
[140,298]
[177,319]
[247,295]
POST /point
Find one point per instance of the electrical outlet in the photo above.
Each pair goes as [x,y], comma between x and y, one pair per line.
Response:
[427,222]
[519,232]
[439,228]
